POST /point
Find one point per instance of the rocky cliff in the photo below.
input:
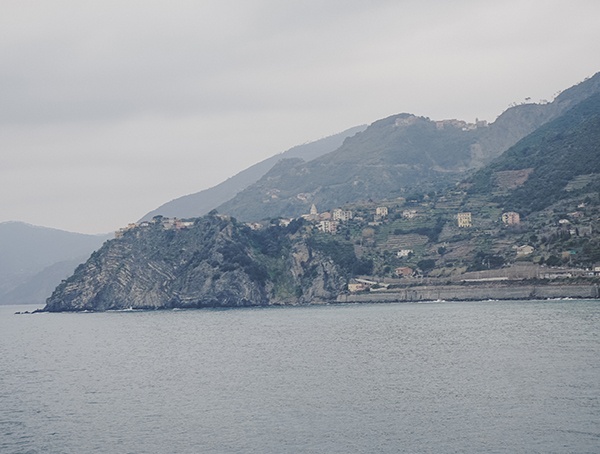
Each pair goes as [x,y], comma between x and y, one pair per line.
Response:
[216,262]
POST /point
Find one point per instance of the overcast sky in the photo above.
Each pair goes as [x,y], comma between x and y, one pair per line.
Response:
[110,108]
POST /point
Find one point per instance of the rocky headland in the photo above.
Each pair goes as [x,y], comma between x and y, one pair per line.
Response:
[213,261]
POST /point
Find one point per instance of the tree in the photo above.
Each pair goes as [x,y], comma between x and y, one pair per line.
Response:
[426,265]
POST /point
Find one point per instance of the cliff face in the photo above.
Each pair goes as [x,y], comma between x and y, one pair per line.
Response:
[216,262]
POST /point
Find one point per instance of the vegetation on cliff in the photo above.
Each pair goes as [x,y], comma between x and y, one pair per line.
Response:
[535,207]
[214,262]
[395,157]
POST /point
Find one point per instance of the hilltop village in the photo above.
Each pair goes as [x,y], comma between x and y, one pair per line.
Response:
[446,239]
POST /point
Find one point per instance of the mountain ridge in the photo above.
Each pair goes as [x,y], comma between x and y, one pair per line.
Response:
[470,233]
[394,156]
[27,250]
[200,203]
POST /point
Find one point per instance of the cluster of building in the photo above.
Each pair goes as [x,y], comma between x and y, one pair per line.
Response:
[329,222]
[460,124]
[409,120]
[465,219]
[166,223]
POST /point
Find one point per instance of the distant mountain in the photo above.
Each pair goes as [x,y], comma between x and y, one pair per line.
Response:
[33,260]
[557,161]
[200,203]
[37,287]
[395,157]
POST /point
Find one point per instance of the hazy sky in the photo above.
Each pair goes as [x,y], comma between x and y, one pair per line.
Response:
[110,108]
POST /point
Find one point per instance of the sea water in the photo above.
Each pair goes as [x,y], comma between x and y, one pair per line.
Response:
[417,378]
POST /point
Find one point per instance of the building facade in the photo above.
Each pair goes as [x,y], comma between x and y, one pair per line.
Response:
[464,220]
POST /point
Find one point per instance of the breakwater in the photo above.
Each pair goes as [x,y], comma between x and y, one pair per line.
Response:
[473,292]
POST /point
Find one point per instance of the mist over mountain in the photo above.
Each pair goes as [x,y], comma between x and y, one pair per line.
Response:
[552,151]
[200,203]
[394,157]
[538,203]
[33,259]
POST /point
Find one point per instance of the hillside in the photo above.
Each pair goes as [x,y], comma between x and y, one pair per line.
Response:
[528,219]
[27,252]
[200,203]
[395,157]
[560,160]
[534,207]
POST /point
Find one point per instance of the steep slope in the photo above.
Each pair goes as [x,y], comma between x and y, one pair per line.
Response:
[200,203]
[394,157]
[216,262]
[551,178]
[537,204]
[26,250]
[519,121]
[559,160]
[367,165]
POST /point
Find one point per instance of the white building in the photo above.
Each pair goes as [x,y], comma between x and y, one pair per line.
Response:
[341,215]
[404,253]
[381,211]
[511,218]
[328,226]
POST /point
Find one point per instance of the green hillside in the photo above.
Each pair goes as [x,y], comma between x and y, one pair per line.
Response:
[550,181]
[558,161]
[397,157]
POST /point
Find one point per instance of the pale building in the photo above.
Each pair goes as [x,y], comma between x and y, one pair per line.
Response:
[328,226]
[524,250]
[404,271]
[254,225]
[356,287]
[404,253]
[381,211]
[409,214]
[511,218]
[183,224]
[168,224]
[119,233]
[464,219]
[341,215]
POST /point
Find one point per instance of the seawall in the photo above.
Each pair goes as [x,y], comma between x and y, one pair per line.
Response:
[473,293]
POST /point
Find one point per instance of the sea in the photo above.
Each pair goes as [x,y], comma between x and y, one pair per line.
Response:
[443,377]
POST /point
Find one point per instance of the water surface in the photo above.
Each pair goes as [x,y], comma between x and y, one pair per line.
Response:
[418,378]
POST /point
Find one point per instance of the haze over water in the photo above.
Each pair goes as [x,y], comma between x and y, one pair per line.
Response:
[439,377]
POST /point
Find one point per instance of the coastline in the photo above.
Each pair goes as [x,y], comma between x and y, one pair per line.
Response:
[496,291]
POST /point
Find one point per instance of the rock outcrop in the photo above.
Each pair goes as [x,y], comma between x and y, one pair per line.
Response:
[216,262]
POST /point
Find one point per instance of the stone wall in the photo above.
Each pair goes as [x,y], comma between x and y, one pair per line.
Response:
[473,293]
